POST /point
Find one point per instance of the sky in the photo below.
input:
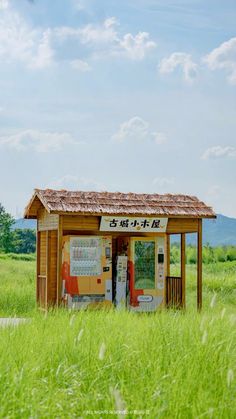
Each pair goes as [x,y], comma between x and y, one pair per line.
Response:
[128,95]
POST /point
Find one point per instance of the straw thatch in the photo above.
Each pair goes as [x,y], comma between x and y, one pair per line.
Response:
[105,203]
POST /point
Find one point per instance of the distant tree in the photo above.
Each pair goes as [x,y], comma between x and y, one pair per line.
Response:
[6,222]
[24,241]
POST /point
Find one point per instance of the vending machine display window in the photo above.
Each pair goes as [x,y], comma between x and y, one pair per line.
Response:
[144,255]
[85,256]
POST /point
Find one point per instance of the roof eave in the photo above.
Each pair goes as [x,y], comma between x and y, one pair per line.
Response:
[99,214]
[36,194]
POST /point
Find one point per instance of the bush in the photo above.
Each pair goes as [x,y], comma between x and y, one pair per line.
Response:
[210,255]
[231,253]
[220,253]
[191,255]
[15,256]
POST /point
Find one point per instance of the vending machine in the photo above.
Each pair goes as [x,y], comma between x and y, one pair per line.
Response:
[86,270]
[146,273]
[121,281]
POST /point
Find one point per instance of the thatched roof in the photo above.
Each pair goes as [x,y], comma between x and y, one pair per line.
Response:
[105,203]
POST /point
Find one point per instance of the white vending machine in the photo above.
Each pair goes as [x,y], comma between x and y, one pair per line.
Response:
[121,281]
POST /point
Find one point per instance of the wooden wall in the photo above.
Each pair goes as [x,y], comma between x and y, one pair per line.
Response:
[84,222]
[43,254]
[52,268]
[46,268]
[47,221]
[182,225]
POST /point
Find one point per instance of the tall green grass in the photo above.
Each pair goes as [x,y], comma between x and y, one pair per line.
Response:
[168,365]
[171,364]
[219,281]
[17,287]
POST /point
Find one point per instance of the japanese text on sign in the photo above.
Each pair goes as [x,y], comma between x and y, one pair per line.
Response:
[138,224]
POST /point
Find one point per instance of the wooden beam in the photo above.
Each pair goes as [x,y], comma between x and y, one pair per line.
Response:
[48,263]
[168,254]
[183,269]
[47,271]
[38,265]
[182,225]
[199,265]
[59,260]
[125,214]
[167,267]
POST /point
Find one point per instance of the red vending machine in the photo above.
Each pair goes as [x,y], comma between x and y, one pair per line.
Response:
[87,270]
[146,273]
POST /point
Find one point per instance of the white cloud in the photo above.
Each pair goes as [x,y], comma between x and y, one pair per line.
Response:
[45,54]
[4,4]
[80,65]
[224,58]
[137,129]
[159,137]
[133,129]
[104,33]
[182,60]
[219,152]
[72,182]
[105,39]
[110,22]
[37,140]
[79,4]
[19,42]
[39,48]
[16,39]
[136,46]
[163,182]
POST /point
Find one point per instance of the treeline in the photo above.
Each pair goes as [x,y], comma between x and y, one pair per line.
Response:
[15,241]
[209,254]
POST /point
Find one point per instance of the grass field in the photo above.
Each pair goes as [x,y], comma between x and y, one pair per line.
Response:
[100,364]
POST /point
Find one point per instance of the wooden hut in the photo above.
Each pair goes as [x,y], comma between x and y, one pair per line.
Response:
[113,248]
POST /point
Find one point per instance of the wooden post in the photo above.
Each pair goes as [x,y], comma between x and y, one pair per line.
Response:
[48,263]
[38,264]
[183,269]
[199,265]
[59,259]
[46,279]
[168,254]
[167,267]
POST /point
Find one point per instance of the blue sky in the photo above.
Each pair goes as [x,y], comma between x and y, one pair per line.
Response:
[129,95]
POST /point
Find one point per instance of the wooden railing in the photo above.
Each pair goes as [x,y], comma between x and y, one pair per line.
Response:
[174,294]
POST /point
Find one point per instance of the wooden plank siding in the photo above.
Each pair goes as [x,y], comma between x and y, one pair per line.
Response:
[43,253]
[35,206]
[77,222]
[46,288]
[47,221]
[52,268]
[42,269]
[182,225]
